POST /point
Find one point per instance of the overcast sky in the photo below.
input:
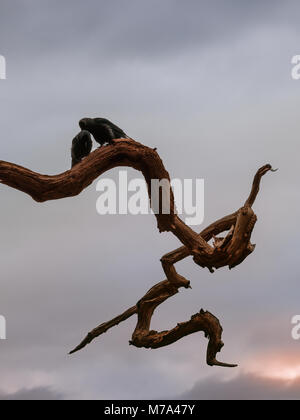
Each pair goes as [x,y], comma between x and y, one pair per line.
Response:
[209,84]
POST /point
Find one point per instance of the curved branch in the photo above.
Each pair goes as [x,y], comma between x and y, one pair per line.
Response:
[256,183]
[72,182]
[133,154]
[240,225]
[144,337]
[228,251]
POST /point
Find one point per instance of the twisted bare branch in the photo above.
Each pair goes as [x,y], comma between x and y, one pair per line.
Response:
[229,251]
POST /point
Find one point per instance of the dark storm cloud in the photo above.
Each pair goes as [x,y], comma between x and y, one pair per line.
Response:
[244,387]
[39,393]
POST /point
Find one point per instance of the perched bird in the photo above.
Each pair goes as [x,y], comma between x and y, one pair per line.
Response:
[81,146]
[104,131]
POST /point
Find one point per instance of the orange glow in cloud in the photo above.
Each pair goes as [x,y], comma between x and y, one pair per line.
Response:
[284,366]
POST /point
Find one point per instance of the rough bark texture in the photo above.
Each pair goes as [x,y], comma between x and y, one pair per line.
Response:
[229,251]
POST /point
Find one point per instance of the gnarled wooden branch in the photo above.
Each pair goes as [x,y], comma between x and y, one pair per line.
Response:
[228,251]
[240,224]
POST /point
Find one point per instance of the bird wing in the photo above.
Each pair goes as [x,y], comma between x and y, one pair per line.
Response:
[117,130]
[114,130]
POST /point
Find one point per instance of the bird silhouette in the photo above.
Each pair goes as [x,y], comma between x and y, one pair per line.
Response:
[103,130]
[81,146]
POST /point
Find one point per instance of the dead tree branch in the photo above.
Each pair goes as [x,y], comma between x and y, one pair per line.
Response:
[229,251]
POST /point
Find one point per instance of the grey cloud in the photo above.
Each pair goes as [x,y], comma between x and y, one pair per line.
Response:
[244,387]
[136,29]
[39,393]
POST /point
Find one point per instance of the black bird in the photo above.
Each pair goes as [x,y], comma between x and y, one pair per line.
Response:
[81,146]
[103,130]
